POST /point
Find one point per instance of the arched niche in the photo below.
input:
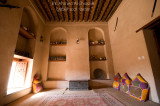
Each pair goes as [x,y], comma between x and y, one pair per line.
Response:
[98,51]
[57,67]
[95,34]
[58,34]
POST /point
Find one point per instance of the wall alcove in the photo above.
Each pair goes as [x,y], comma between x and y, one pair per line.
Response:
[27,34]
[57,54]
[97,53]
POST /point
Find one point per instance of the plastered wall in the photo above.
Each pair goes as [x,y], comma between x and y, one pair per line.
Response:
[77,62]
[127,45]
[124,44]
[10,20]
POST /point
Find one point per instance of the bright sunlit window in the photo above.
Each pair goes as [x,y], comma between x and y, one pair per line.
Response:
[17,75]
[20,75]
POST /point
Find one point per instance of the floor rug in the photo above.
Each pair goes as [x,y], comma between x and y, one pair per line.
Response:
[80,100]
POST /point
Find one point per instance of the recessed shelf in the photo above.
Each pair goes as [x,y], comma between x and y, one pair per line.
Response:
[57,56]
[57,60]
[97,60]
[22,53]
[26,34]
[22,57]
[58,44]
[96,44]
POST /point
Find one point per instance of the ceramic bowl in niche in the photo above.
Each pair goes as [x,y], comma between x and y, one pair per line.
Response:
[98,73]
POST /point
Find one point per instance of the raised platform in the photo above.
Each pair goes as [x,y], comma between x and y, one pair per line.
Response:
[56,84]
[95,83]
[92,84]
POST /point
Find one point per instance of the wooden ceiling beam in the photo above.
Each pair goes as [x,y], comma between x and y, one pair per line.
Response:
[87,9]
[65,11]
[59,11]
[76,10]
[70,10]
[109,9]
[81,10]
[98,10]
[42,10]
[93,10]
[47,9]
[53,10]
[114,9]
[104,9]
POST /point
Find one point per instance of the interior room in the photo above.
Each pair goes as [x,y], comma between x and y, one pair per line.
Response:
[80,52]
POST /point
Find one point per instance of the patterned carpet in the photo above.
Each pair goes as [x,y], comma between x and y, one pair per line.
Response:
[75,98]
[79,100]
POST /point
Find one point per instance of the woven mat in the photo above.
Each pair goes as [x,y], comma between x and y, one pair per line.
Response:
[79,100]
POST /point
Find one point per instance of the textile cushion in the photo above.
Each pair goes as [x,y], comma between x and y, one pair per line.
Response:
[37,85]
[139,88]
[125,82]
[138,93]
[124,88]
[37,88]
[125,79]
[117,77]
[138,81]
[116,85]
[117,80]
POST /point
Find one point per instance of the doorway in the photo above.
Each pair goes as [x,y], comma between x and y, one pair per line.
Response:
[152,38]
[156,33]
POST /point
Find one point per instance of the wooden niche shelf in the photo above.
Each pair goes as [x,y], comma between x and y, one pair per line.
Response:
[22,53]
[97,60]
[58,44]
[26,34]
[57,60]
[96,44]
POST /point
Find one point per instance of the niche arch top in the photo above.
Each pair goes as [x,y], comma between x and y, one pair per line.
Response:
[58,34]
[96,39]
[95,34]
[29,20]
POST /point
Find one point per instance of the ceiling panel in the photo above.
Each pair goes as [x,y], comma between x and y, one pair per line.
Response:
[77,10]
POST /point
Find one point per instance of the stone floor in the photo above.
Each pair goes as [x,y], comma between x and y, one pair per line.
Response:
[31,99]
